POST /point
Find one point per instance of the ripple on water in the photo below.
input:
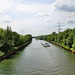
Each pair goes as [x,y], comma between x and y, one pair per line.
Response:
[38,60]
[44,72]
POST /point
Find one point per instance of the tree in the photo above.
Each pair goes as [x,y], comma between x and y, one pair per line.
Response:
[64,42]
[56,38]
[9,39]
[70,41]
[16,38]
[73,46]
[67,37]
[60,37]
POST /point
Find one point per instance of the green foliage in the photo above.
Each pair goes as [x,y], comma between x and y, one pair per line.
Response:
[10,40]
[69,41]
[64,42]
[73,46]
[65,38]
[74,39]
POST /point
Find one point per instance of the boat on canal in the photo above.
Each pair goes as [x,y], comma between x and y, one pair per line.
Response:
[45,44]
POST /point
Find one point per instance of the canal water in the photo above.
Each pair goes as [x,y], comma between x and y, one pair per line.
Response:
[38,60]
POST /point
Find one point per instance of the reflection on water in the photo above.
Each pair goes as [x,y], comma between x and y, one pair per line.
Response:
[38,60]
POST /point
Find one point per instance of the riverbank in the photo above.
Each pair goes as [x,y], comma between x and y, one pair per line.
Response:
[63,47]
[14,51]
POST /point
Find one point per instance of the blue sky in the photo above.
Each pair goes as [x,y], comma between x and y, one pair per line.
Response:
[36,1]
[37,17]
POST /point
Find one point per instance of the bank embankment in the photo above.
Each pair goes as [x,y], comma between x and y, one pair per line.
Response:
[63,47]
[14,51]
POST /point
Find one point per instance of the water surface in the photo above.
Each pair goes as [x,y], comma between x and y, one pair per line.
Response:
[38,60]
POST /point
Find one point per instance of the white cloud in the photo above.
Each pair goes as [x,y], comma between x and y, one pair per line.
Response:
[5,19]
[42,15]
[71,20]
[66,6]
[72,15]
[4,5]
[31,8]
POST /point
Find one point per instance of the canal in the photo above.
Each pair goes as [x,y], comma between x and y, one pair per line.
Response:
[38,60]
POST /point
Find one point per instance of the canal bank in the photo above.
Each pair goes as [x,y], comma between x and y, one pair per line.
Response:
[14,51]
[63,47]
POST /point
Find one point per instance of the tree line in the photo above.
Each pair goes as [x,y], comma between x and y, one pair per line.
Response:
[10,40]
[65,38]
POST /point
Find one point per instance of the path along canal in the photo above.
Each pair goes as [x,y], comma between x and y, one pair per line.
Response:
[38,60]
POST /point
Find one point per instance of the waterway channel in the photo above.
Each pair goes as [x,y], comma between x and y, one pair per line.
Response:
[36,59]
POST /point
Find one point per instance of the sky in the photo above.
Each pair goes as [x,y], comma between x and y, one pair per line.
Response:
[37,17]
